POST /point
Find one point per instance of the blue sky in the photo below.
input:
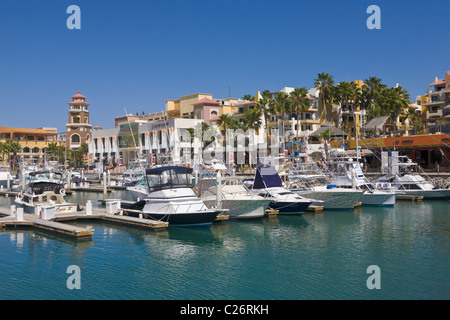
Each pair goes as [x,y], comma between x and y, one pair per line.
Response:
[136,54]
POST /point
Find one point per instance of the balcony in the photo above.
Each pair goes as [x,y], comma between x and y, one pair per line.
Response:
[434,113]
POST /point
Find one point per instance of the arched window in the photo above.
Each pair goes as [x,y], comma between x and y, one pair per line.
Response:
[75,138]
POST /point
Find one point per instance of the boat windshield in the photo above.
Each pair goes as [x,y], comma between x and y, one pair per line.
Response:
[169,178]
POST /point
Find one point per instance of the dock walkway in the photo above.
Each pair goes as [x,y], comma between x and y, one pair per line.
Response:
[75,232]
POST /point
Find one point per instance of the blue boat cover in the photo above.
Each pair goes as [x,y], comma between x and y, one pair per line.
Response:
[266,177]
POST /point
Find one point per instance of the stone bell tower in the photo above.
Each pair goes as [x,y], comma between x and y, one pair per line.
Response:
[78,129]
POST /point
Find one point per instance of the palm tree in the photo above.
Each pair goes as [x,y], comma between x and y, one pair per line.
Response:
[252,120]
[248,97]
[300,102]
[324,83]
[413,116]
[224,122]
[370,90]
[11,147]
[325,136]
[2,152]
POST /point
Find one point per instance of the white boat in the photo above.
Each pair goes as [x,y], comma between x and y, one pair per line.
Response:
[348,174]
[331,197]
[416,185]
[403,175]
[171,199]
[5,176]
[134,173]
[307,180]
[44,188]
[268,184]
[138,191]
[235,197]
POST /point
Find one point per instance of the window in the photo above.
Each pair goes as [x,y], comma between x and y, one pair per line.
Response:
[75,138]
[41,138]
[30,138]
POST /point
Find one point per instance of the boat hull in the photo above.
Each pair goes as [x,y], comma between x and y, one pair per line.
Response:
[242,209]
[426,194]
[333,199]
[289,207]
[59,208]
[378,199]
[185,219]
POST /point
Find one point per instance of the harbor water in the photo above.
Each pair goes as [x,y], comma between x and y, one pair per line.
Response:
[322,255]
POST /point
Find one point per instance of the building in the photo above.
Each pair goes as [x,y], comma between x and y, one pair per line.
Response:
[157,141]
[434,103]
[78,129]
[33,142]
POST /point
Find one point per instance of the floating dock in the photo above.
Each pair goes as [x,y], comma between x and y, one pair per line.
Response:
[314,208]
[409,197]
[56,226]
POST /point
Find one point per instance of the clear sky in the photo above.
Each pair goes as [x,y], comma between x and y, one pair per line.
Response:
[136,54]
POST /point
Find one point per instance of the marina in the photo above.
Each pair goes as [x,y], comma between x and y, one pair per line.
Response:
[274,257]
[149,152]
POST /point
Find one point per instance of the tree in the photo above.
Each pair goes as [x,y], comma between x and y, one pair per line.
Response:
[370,91]
[11,147]
[248,97]
[324,83]
[325,136]
[2,152]
[300,102]
[413,116]
[225,122]
[252,120]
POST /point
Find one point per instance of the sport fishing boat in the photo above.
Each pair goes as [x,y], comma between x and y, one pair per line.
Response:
[234,196]
[307,180]
[348,174]
[171,199]
[134,173]
[268,184]
[45,188]
[405,178]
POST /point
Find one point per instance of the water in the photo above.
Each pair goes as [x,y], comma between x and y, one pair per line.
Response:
[313,256]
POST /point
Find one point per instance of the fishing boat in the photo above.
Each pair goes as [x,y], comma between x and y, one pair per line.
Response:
[404,176]
[348,174]
[134,173]
[171,199]
[44,188]
[268,184]
[234,196]
[306,179]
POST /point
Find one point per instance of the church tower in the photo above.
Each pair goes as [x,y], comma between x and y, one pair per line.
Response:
[78,129]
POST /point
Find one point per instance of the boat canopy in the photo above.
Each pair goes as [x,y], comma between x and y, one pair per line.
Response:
[169,177]
[267,177]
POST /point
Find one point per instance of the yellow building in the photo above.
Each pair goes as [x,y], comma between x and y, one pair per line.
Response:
[32,141]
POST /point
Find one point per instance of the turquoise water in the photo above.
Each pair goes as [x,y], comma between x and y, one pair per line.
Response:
[312,256]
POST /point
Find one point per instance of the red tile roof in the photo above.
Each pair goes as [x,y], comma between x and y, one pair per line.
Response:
[78,95]
[206,101]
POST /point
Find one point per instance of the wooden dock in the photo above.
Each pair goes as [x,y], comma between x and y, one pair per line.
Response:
[56,226]
[314,208]
[270,212]
[409,197]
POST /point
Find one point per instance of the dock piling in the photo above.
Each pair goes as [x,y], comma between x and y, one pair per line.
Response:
[19,214]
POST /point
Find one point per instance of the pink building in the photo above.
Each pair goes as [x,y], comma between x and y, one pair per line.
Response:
[207,109]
